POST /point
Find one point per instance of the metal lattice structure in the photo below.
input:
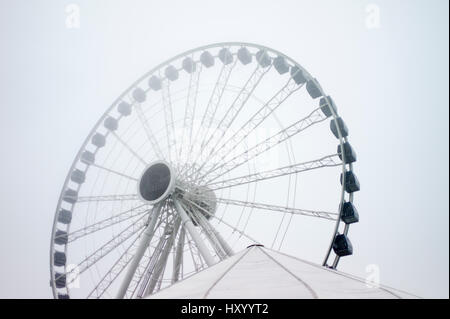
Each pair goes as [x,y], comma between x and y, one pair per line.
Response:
[215,149]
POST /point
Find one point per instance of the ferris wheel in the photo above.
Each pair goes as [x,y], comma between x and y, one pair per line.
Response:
[221,147]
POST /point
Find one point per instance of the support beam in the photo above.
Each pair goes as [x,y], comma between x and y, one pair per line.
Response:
[143,245]
[178,261]
[209,234]
[187,222]
[161,264]
[222,242]
[214,236]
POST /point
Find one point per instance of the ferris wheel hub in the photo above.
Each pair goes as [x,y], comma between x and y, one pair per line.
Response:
[157,182]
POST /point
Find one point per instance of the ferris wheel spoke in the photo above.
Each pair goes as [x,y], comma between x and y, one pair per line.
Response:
[278,231]
[114,172]
[212,106]
[119,265]
[168,117]
[189,111]
[313,118]
[107,198]
[148,131]
[326,161]
[259,117]
[232,112]
[134,153]
[282,209]
[106,248]
[285,232]
[107,222]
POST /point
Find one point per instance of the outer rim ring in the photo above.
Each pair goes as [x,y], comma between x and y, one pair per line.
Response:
[342,140]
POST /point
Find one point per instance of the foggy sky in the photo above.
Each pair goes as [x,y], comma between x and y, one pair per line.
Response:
[391,85]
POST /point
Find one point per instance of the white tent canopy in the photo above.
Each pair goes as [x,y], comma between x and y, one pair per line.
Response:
[259,273]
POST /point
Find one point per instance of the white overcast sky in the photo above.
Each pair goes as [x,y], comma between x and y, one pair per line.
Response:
[391,85]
